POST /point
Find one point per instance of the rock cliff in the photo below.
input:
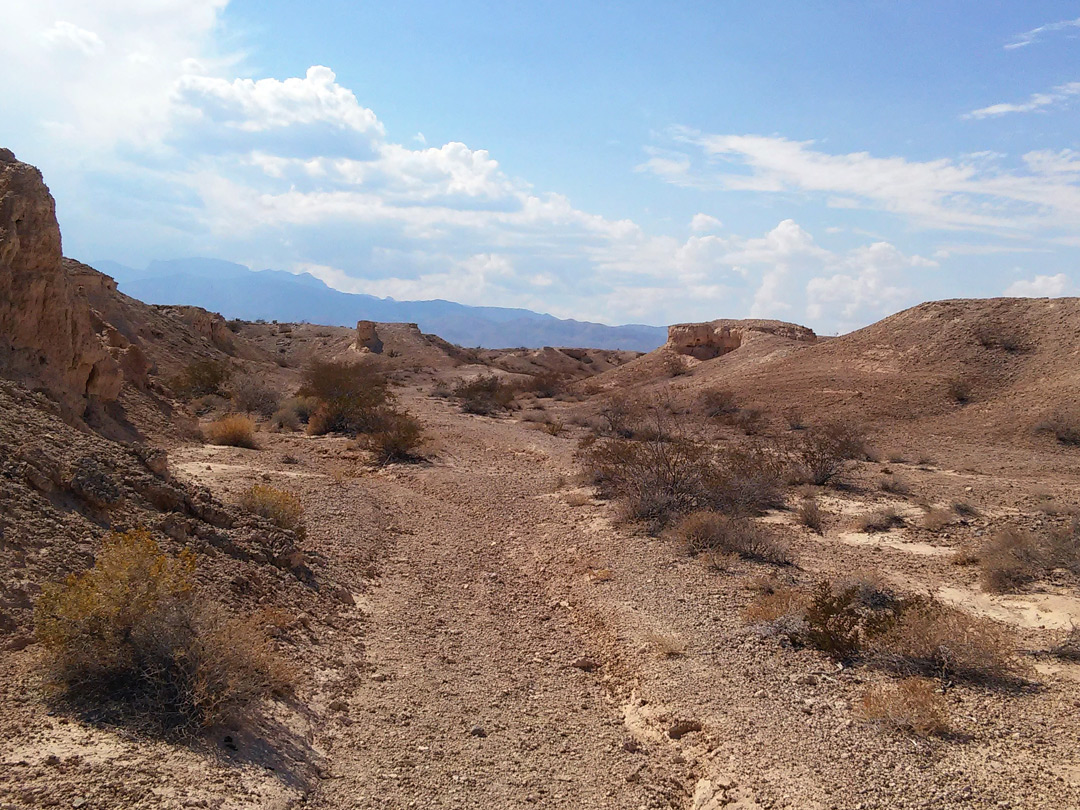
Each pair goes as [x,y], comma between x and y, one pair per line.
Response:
[705,341]
[47,337]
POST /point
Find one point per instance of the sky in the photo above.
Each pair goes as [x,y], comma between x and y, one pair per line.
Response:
[827,163]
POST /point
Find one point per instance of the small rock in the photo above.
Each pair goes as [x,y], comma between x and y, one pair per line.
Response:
[585,665]
[683,727]
[339,705]
[379,677]
[478,731]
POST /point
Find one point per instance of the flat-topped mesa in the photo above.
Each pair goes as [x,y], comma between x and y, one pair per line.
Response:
[704,341]
[47,337]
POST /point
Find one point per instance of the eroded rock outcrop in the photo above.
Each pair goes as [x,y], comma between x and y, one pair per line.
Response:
[367,339]
[47,337]
[705,341]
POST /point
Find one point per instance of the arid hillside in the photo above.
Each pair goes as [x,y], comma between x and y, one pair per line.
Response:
[270,565]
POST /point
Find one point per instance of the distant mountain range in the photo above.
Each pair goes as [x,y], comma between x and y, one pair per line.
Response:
[239,292]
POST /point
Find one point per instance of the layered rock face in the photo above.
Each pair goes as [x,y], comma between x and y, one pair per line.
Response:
[705,341]
[46,329]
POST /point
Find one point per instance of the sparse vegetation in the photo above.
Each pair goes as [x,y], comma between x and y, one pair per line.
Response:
[894,485]
[484,395]
[936,519]
[821,453]
[719,403]
[811,516]
[131,640]
[1003,337]
[350,396]
[1013,557]
[396,438]
[959,390]
[281,508]
[201,378]
[251,395]
[1063,425]
[880,520]
[232,431]
[707,531]
[914,705]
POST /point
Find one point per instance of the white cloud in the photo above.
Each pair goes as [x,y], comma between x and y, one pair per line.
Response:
[1041,287]
[703,222]
[64,34]
[1035,34]
[256,106]
[1037,101]
[973,193]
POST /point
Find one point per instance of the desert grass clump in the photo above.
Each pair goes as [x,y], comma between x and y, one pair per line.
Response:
[233,430]
[484,395]
[1003,337]
[131,641]
[880,521]
[964,509]
[913,705]
[719,403]
[936,519]
[959,390]
[396,438]
[1063,425]
[1068,646]
[1011,559]
[811,516]
[708,531]
[350,397]
[281,508]
[894,485]
[201,378]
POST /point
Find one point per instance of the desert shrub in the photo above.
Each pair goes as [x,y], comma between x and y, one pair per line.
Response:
[746,480]
[350,396]
[894,485]
[1004,337]
[281,508]
[964,509]
[794,419]
[201,378]
[545,385]
[130,640]
[959,390]
[616,414]
[285,419]
[1068,646]
[232,431]
[914,705]
[931,638]
[1063,425]
[751,421]
[811,516]
[719,403]
[484,395]
[1011,558]
[675,365]
[936,519]
[707,531]
[252,395]
[396,438]
[554,427]
[880,521]
[822,452]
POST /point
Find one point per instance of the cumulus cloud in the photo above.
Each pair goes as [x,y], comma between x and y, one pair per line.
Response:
[64,34]
[1037,34]
[1041,287]
[1061,94]
[703,222]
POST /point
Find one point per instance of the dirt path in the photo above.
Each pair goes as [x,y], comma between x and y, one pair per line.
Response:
[516,648]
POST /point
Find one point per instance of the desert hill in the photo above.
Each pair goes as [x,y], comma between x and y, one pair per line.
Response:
[529,604]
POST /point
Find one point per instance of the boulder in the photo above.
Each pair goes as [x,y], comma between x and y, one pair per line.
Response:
[367,339]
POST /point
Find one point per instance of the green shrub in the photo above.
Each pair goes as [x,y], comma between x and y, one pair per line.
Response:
[131,640]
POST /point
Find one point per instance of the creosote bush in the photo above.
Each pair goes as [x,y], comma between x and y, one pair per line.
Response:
[1013,557]
[708,531]
[201,378]
[880,521]
[821,453]
[281,508]
[484,395]
[350,397]
[131,641]
[914,705]
[232,431]
[811,516]
[395,438]
[251,395]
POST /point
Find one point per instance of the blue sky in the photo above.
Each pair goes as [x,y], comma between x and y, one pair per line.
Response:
[821,162]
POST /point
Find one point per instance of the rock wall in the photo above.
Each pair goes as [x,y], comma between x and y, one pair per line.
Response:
[706,341]
[47,339]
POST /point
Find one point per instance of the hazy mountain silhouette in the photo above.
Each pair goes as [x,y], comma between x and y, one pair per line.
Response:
[238,292]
